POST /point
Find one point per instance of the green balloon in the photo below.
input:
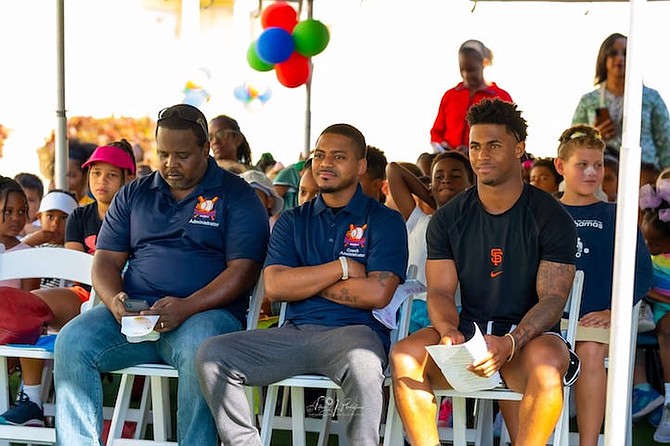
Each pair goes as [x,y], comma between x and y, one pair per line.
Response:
[310,37]
[254,61]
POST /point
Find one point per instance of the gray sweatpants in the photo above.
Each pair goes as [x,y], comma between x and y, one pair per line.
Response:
[351,356]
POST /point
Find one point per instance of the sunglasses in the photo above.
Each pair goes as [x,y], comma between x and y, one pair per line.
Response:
[579,134]
[187,113]
[221,134]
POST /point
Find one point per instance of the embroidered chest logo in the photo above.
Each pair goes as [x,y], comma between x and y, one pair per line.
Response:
[204,212]
[355,236]
[496,261]
[354,242]
[205,208]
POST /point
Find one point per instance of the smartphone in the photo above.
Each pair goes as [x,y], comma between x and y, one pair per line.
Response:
[602,115]
[135,305]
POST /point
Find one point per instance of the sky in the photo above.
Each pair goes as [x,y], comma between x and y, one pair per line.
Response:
[385,69]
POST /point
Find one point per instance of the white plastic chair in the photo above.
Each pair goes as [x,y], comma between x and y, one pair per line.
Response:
[573,439]
[297,422]
[482,435]
[26,264]
[158,375]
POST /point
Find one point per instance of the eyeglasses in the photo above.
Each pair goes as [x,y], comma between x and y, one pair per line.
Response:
[613,52]
[187,113]
[222,134]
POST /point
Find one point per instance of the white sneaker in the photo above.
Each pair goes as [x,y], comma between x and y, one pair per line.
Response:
[662,434]
[645,320]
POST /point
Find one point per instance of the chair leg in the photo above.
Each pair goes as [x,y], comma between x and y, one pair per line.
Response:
[145,407]
[120,408]
[268,414]
[298,416]
[4,390]
[284,401]
[484,423]
[328,411]
[393,432]
[458,405]
[160,407]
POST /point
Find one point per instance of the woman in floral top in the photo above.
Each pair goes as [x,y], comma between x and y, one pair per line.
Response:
[608,95]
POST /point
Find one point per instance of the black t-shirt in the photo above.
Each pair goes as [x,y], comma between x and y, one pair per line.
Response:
[83,226]
[497,256]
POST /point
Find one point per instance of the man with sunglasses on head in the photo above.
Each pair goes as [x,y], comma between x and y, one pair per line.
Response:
[185,243]
[511,247]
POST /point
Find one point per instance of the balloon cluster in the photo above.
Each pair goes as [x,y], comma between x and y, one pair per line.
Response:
[195,89]
[286,45]
[247,93]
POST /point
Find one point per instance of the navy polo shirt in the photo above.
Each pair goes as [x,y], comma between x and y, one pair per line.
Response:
[312,234]
[178,247]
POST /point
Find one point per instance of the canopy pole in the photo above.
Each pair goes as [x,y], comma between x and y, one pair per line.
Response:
[60,134]
[308,97]
[617,413]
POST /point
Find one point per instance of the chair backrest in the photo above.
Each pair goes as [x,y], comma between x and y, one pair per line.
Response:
[573,305]
[59,263]
[255,303]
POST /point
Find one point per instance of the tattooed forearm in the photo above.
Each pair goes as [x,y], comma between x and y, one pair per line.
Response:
[382,278]
[373,291]
[553,286]
[342,294]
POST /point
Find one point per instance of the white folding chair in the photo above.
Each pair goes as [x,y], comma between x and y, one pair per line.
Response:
[158,375]
[482,435]
[26,264]
[297,422]
[573,439]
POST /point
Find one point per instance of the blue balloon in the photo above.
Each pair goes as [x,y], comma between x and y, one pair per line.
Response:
[196,97]
[274,45]
[241,93]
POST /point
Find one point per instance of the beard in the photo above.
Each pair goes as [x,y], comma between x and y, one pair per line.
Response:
[333,188]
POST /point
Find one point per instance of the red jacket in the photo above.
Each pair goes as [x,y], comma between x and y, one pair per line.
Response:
[450,124]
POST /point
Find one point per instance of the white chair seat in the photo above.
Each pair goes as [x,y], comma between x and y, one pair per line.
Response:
[483,434]
[297,422]
[158,375]
[32,263]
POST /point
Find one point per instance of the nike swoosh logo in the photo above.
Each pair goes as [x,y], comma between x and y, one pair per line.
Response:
[495,274]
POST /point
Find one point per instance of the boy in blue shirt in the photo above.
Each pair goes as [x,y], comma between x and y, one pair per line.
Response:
[580,161]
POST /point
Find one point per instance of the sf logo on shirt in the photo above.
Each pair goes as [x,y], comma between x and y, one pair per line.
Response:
[496,261]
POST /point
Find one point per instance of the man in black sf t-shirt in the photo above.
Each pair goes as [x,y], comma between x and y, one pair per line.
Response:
[512,248]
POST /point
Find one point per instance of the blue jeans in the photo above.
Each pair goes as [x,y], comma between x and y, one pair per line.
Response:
[92,343]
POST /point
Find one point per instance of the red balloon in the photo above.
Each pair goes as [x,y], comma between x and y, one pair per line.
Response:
[293,72]
[281,15]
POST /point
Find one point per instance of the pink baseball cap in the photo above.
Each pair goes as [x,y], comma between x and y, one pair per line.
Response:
[113,155]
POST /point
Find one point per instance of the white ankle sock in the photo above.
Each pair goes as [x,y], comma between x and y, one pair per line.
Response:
[667,393]
[34,393]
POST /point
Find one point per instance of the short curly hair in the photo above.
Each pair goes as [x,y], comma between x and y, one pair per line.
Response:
[497,111]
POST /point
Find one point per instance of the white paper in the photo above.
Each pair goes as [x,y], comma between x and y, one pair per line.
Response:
[140,328]
[387,315]
[453,360]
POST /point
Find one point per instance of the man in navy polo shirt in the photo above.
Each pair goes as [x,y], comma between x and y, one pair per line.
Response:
[193,237]
[333,259]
